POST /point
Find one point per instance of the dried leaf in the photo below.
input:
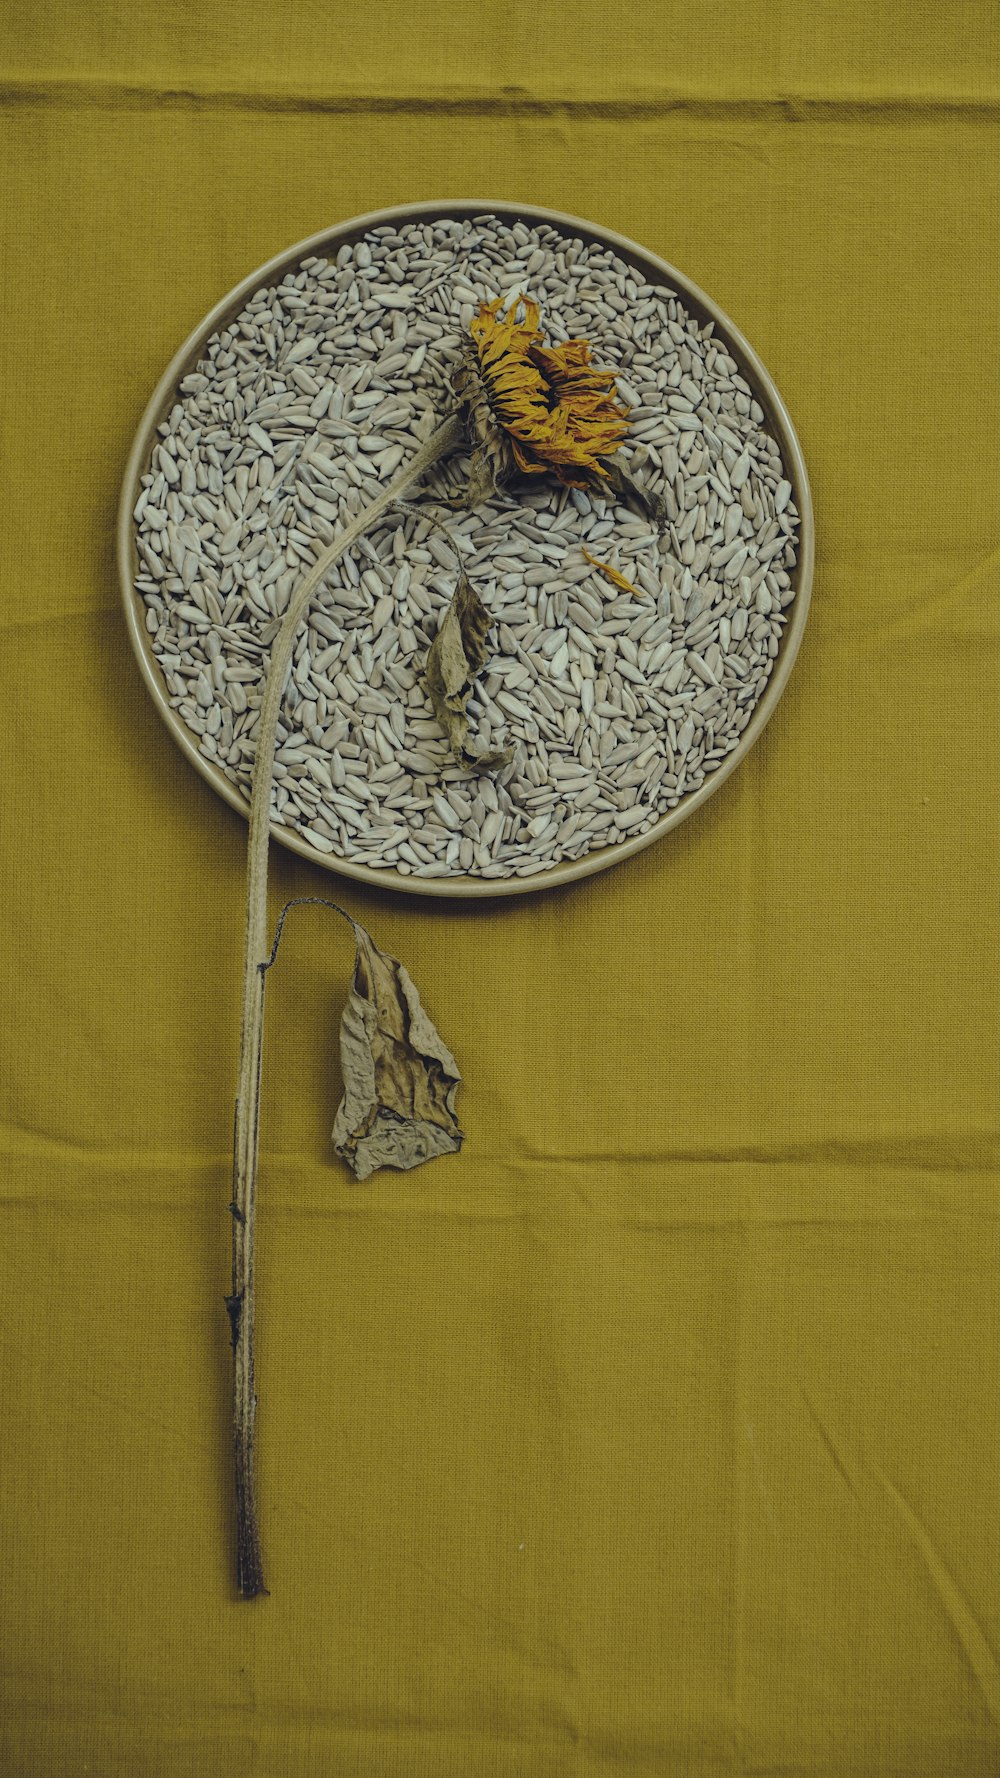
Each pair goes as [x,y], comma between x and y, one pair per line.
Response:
[653,505]
[492,459]
[400,1079]
[612,574]
[455,658]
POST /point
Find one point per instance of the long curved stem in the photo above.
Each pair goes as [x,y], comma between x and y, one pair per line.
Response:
[240,1305]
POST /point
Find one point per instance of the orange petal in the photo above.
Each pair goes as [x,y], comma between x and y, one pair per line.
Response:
[612,574]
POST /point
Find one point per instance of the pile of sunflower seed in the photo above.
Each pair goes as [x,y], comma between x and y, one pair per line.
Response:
[617,704]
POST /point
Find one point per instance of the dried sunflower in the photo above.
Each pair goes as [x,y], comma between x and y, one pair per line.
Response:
[541,409]
[534,409]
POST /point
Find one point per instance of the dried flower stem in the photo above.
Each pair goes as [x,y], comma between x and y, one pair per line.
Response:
[240,1305]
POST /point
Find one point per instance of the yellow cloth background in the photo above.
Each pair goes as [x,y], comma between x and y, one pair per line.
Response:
[656,1433]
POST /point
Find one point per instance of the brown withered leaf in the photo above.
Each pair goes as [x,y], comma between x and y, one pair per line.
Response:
[491,463]
[631,491]
[455,658]
[400,1079]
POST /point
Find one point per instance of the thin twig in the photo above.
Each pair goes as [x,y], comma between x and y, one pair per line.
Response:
[240,1304]
[300,901]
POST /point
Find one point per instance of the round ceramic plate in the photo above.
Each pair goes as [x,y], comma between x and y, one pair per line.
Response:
[177,711]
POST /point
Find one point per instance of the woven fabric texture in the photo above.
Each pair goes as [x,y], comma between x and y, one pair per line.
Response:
[657,1432]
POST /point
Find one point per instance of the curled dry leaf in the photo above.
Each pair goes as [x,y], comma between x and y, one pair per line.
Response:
[455,658]
[400,1079]
[632,492]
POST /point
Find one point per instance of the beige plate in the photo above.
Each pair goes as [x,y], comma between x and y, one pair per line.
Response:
[654,271]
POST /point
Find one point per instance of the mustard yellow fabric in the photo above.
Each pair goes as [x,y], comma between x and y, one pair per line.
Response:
[657,1432]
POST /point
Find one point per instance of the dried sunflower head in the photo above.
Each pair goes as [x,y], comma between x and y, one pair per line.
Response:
[534,409]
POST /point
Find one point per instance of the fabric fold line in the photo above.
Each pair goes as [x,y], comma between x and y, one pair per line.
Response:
[512,101]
